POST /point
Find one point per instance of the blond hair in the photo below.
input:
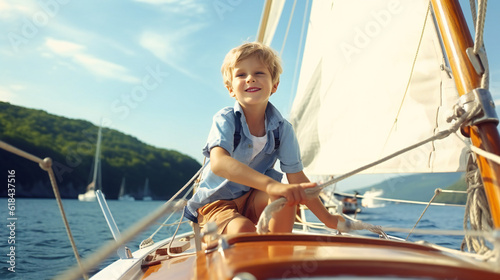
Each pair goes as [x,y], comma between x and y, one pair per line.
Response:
[264,53]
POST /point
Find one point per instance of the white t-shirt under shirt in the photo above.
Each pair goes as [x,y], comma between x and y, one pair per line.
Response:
[258,144]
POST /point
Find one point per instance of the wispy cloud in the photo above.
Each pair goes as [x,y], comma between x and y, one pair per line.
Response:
[11,9]
[170,49]
[67,30]
[8,92]
[191,8]
[77,54]
[5,94]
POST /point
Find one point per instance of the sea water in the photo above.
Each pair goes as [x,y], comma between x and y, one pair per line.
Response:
[41,248]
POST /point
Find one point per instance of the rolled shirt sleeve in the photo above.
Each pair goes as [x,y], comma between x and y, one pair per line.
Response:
[222,132]
[289,151]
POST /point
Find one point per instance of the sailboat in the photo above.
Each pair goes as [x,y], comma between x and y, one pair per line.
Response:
[147,192]
[344,56]
[90,195]
[122,196]
[370,198]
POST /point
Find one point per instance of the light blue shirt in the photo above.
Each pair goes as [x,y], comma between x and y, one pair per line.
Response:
[213,187]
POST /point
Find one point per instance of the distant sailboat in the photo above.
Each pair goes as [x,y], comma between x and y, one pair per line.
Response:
[89,195]
[122,195]
[147,192]
[369,198]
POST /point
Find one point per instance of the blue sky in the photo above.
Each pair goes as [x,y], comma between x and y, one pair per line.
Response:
[148,68]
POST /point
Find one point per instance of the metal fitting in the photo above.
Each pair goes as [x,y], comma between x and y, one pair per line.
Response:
[482,98]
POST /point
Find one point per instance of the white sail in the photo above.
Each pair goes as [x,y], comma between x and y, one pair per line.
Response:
[90,195]
[122,195]
[361,97]
[147,192]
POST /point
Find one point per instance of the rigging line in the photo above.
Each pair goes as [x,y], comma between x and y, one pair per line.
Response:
[278,204]
[172,224]
[473,11]
[21,153]
[299,51]
[411,74]
[170,254]
[450,232]
[46,165]
[479,18]
[479,25]
[436,193]
[288,28]
[111,246]
[414,201]
[491,156]
[148,241]
[486,154]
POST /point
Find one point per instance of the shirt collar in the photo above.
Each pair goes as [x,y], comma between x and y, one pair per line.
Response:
[273,117]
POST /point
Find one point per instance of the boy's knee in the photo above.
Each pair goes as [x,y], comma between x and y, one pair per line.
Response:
[240,225]
[247,227]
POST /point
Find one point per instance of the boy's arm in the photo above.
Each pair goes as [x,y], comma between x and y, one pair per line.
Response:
[223,165]
[315,204]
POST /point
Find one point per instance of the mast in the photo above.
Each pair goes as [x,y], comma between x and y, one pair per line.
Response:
[264,21]
[270,17]
[457,38]
[97,160]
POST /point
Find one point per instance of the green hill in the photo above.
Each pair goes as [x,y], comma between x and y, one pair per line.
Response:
[421,187]
[71,145]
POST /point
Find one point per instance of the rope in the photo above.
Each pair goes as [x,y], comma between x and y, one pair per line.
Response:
[460,117]
[288,27]
[486,154]
[479,18]
[170,254]
[111,246]
[436,193]
[477,213]
[149,241]
[414,201]
[46,165]
[299,52]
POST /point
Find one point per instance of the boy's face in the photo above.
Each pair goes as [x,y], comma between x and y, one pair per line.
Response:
[252,82]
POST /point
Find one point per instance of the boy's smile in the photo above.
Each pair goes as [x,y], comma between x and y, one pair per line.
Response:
[252,89]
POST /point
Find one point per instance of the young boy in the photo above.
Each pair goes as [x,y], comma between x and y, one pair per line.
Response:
[243,145]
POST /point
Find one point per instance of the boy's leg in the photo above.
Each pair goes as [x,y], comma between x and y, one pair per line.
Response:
[282,220]
[239,224]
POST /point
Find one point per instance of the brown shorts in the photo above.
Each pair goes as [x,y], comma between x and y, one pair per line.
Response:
[221,212]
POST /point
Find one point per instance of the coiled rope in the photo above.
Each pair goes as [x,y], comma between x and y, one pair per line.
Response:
[477,213]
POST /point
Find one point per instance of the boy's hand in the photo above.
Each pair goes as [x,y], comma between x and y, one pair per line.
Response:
[293,193]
